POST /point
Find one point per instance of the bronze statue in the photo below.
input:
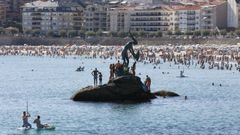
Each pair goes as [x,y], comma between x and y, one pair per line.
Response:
[129,46]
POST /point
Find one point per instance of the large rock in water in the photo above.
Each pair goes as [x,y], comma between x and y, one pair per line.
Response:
[124,88]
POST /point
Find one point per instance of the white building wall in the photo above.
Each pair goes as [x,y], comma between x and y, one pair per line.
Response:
[114,21]
[232,14]
[127,21]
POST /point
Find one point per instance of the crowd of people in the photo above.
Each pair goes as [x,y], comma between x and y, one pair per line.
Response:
[220,57]
[206,56]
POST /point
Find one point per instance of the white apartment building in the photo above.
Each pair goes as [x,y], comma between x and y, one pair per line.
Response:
[95,18]
[46,16]
[119,19]
[187,19]
[214,16]
[208,17]
[232,14]
[152,19]
[238,6]
[2,14]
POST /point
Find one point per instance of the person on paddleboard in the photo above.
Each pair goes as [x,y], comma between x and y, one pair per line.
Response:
[26,124]
[38,123]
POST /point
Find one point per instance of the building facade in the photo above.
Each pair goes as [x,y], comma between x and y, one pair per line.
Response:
[2,14]
[152,19]
[141,19]
[119,19]
[13,9]
[95,18]
[208,17]
[50,16]
[187,19]
[232,14]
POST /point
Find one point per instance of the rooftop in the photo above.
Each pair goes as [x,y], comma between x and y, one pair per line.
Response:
[41,4]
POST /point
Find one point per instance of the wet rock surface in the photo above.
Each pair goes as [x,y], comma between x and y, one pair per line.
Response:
[163,93]
[124,88]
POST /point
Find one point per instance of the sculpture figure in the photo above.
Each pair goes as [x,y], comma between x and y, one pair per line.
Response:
[129,46]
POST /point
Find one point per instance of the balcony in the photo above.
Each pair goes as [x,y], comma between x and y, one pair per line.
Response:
[77,19]
[35,14]
[150,14]
[37,18]
[36,23]
[149,25]
[149,20]
[36,28]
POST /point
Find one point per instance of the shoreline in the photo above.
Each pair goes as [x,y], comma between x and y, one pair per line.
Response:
[215,56]
[113,41]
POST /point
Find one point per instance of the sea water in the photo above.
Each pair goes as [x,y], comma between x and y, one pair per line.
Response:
[48,83]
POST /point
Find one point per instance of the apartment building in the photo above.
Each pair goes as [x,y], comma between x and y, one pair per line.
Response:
[215,16]
[119,19]
[2,14]
[13,9]
[208,17]
[238,8]
[50,16]
[187,18]
[152,19]
[95,17]
[232,14]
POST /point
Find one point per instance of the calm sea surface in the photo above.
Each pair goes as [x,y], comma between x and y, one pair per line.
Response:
[48,83]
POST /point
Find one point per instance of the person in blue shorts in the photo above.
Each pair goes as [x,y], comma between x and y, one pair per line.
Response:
[25,117]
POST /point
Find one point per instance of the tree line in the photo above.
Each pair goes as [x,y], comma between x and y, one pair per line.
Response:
[82,33]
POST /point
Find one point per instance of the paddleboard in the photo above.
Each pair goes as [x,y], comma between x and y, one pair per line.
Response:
[24,128]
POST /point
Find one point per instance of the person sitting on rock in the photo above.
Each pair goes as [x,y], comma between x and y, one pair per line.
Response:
[147,82]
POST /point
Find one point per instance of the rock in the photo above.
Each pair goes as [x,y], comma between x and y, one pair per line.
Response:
[124,88]
[164,93]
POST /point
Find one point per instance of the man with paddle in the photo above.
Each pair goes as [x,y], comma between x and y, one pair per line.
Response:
[26,124]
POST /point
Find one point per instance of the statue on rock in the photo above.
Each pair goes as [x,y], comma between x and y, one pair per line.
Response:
[129,46]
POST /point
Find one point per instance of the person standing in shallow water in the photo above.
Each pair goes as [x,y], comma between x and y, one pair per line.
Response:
[95,76]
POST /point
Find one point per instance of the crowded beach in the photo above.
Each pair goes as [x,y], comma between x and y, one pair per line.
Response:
[221,57]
